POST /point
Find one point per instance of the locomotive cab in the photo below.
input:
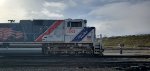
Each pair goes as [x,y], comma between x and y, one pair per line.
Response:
[73,27]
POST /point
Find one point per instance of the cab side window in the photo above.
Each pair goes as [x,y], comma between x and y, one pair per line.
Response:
[74,24]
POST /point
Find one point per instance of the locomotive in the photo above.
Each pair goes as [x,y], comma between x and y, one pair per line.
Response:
[68,36]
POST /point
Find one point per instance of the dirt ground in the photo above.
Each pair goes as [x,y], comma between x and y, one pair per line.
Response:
[126,52]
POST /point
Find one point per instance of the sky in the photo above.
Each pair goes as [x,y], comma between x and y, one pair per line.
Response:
[110,17]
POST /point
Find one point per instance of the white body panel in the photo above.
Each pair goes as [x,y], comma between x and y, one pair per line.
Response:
[63,33]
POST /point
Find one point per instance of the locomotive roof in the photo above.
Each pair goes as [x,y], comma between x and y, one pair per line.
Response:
[36,20]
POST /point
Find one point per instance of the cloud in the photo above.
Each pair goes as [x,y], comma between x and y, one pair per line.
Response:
[11,10]
[113,17]
[35,9]
[54,9]
[122,18]
[55,5]
[31,9]
[86,1]
[52,14]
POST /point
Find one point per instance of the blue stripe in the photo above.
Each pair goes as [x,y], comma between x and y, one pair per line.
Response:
[82,34]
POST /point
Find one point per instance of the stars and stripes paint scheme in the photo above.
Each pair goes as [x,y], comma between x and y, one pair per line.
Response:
[46,31]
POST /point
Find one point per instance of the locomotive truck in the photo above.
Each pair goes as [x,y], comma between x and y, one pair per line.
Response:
[68,36]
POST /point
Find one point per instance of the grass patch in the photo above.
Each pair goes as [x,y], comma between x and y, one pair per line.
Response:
[132,41]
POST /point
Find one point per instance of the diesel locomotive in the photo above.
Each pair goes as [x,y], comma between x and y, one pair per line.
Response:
[68,36]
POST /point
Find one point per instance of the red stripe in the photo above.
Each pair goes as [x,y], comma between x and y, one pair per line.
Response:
[49,30]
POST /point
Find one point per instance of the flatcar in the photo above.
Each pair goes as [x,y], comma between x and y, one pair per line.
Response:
[68,36]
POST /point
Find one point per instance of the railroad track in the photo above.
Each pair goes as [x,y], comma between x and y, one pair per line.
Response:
[82,59]
[48,56]
[116,61]
[77,64]
[119,65]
